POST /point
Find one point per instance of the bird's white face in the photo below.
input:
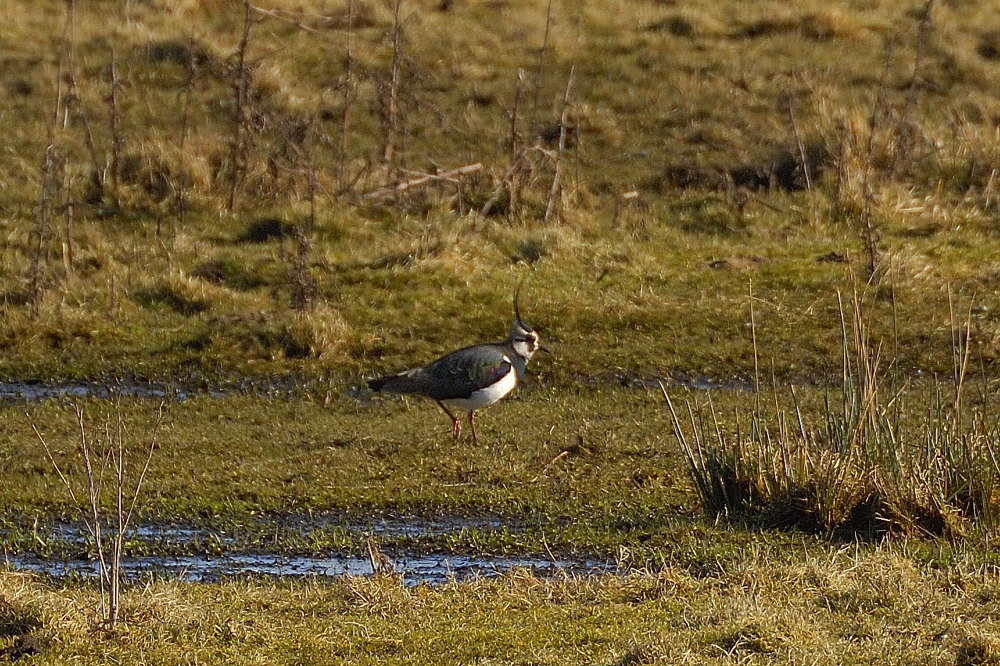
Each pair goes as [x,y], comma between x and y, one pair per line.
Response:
[524,340]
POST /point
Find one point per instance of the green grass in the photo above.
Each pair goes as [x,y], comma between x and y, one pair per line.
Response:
[238,456]
[154,278]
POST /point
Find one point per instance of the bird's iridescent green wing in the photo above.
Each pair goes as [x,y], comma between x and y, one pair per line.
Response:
[462,372]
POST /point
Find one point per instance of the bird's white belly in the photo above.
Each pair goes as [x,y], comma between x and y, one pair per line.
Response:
[488,395]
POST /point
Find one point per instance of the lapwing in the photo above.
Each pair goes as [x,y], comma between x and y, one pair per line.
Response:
[469,378]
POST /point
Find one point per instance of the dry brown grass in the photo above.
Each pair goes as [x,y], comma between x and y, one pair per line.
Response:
[848,607]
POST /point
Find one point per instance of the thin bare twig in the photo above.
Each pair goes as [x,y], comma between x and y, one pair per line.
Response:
[900,146]
[517,158]
[149,457]
[188,91]
[241,89]
[52,461]
[391,114]
[115,120]
[556,191]
[111,456]
[322,34]
[424,179]
[350,94]
[869,230]
[540,74]
[787,100]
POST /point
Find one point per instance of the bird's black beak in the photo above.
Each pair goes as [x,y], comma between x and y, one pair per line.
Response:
[544,349]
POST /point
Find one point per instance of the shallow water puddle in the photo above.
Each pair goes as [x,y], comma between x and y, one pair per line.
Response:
[12,392]
[286,387]
[234,560]
[278,387]
[300,524]
[415,569]
[695,383]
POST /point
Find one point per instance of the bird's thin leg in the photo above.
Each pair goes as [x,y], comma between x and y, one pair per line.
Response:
[456,425]
[472,426]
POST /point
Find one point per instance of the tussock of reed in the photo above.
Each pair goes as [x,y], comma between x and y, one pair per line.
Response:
[858,468]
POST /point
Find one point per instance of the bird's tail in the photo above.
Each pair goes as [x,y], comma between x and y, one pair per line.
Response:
[401,383]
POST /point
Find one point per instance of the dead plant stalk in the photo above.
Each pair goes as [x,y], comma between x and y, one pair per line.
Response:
[392,115]
[111,455]
[188,91]
[115,120]
[517,158]
[540,74]
[241,89]
[350,94]
[554,205]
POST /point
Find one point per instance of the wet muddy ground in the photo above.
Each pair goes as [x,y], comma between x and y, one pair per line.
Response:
[172,551]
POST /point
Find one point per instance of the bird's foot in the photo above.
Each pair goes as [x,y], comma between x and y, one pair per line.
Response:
[456,429]
[472,426]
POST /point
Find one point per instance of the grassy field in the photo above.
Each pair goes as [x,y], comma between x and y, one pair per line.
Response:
[711,191]
[701,112]
[841,607]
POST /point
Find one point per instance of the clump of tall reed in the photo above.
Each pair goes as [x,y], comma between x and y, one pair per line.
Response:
[879,457]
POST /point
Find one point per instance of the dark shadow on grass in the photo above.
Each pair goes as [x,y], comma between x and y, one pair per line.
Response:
[266,229]
[163,295]
[228,273]
[17,620]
